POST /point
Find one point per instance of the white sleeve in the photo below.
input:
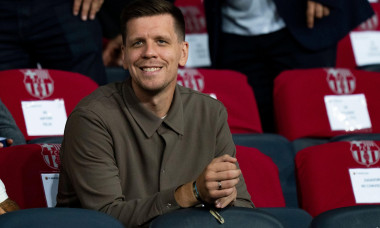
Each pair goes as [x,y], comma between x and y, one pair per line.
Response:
[3,193]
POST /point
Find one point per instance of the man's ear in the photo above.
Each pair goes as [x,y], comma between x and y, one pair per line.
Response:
[184,53]
[123,50]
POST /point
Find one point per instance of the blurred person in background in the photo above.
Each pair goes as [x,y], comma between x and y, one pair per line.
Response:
[262,38]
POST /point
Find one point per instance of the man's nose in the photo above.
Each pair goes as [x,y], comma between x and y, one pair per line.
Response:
[150,50]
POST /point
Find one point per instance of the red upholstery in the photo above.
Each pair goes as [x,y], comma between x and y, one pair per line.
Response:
[21,168]
[261,177]
[323,176]
[345,55]
[231,88]
[299,99]
[53,84]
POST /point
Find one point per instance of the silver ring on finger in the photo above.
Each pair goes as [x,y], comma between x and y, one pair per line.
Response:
[219,185]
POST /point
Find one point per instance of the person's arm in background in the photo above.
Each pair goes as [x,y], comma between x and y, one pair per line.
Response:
[8,127]
[8,141]
[87,8]
[6,204]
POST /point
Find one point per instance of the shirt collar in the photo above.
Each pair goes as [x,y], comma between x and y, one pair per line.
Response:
[147,121]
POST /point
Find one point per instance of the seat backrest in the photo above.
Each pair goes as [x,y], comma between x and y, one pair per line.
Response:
[201,217]
[345,54]
[338,174]
[232,89]
[28,172]
[58,218]
[196,32]
[42,85]
[290,217]
[261,177]
[349,217]
[280,150]
[300,106]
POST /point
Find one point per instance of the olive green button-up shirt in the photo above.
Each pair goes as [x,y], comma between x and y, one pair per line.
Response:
[119,158]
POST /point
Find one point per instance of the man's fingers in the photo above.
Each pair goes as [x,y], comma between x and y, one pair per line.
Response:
[224,158]
[227,200]
[95,7]
[315,10]
[211,176]
[217,194]
[86,5]
[222,166]
[9,142]
[318,10]
[225,184]
[76,7]
[93,10]
[326,11]
[310,14]
[88,8]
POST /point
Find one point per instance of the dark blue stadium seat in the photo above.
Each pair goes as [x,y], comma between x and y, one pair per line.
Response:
[58,218]
[290,217]
[201,217]
[349,217]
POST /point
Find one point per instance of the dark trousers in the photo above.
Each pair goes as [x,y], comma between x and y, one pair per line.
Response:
[47,32]
[261,58]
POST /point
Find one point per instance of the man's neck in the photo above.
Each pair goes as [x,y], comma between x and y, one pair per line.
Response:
[159,103]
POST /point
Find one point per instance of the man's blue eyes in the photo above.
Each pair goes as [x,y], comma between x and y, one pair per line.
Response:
[138,43]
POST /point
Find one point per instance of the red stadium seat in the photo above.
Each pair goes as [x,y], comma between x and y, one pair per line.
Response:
[22,168]
[261,177]
[300,107]
[232,89]
[41,85]
[196,32]
[323,174]
[345,56]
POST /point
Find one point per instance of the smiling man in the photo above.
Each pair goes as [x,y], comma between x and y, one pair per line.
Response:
[147,146]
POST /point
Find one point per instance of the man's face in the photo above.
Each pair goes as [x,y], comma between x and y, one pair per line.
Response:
[152,53]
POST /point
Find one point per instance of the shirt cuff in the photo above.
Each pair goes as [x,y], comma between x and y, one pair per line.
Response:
[168,202]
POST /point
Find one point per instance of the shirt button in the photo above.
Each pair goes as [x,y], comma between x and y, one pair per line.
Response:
[163,171]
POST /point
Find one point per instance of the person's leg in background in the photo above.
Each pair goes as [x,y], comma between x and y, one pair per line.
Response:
[14,51]
[48,33]
[66,42]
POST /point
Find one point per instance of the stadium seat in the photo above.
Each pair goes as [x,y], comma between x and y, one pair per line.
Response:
[345,54]
[290,217]
[196,32]
[349,217]
[280,150]
[301,98]
[338,174]
[201,217]
[261,177]
[232,89]
[25,86]
[30,174]
[356,137]
[58,218]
